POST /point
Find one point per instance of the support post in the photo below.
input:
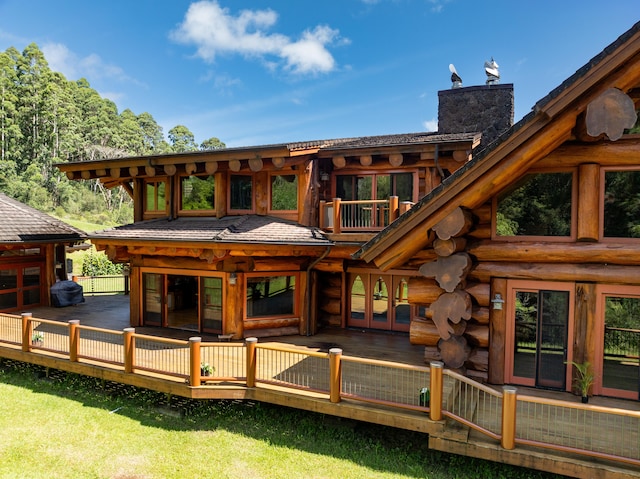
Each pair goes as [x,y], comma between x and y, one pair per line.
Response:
[27,332]
[251,344]
[435,406]
[335,373]
[74,340]
[194,363]
[129,349]
[393,209]
[509,403]
[322,215]
[337,223]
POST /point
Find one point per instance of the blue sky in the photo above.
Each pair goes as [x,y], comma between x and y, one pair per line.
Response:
[273,71]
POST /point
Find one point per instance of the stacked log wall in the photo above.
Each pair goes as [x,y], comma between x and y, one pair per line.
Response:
[465,336]
[330,299]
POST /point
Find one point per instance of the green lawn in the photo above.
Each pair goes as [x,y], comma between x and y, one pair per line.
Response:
[68,426]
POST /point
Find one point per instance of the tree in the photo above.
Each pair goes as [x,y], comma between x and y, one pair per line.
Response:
[212,143]
[181,139]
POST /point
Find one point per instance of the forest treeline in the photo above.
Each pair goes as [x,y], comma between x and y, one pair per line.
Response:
[46,119]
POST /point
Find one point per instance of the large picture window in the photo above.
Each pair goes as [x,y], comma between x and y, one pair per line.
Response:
[540,204]
[621,204]
[271,296]
[155,197]
[284,192]
[197,193]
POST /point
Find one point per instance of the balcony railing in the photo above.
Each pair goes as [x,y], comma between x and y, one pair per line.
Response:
[341,216]
[504,416]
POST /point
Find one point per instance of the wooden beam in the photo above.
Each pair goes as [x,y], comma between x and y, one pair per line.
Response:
[396,159]
[211,167]
[339,161]
[588,226]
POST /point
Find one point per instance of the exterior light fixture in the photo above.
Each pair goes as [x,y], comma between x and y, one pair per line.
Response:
[233,278]
[497,301]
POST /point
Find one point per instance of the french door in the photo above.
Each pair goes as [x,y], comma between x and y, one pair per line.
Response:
[179,301]
[20,286]
[378,301]
[539,325]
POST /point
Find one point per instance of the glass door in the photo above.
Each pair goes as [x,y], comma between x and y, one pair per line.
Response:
[539,328]
[378,301]
[153,292]
[211,307]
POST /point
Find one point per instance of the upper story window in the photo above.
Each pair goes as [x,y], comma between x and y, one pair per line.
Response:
[284,192]
[540,204]
[155,196]
[378,186]
[621,203]
[197,193]
[241,193]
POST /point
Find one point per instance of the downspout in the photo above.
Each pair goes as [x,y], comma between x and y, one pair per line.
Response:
[309,285]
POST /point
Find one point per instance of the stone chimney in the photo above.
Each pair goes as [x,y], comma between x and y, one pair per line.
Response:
[487,109]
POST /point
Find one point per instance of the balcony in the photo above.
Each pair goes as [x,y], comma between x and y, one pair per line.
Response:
[360,216]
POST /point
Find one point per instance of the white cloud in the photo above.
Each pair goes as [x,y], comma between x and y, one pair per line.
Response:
[214,31]
[430,125]
[92,67]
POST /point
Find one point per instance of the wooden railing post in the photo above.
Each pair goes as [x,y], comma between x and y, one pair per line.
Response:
[337,222]
[436,383]
[322,215]
[509,406]
[27,332]
[194,363]
[335,373]
[74,340]
[393,209]
[129,349]
[251,344]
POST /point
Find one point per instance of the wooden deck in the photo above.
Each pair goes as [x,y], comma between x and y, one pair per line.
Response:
[447,435]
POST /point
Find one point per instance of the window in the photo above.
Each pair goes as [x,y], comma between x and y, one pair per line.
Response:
[284,192]
[271,296]
[375,187]
[540,204]
[621,204]
[197,193]
[155,197]
[241,193]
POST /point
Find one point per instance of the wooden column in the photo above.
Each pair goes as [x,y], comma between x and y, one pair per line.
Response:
[336,216]
[129,349]
[235,306]
[74,340]
[27,331]
[436,384]
[584,340]
[335,374]
[588,204]
[194,361]
[251,344]
[497,334]
[509,404]
[220,179]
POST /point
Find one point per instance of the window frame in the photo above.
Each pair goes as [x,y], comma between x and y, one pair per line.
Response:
[601,196]
[181,210]
[233,211]
[556,239]
[152,213]
[289,213]
[296,299]
[374,174]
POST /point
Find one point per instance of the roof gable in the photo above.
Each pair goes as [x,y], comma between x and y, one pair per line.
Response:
[550,124]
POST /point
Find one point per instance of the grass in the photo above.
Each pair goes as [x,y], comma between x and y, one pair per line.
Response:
[68,426]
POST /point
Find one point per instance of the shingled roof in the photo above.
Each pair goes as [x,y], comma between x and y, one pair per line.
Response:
[24,224]
[246,229]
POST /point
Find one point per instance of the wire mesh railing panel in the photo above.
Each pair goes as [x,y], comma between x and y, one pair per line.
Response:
[474,404]
[383,383]
[296,369]
[10,329]
[592,430]
[95,285]
[171,358]
[229,360]
[50,336]
[101,345]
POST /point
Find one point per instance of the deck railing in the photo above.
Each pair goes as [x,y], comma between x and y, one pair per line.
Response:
[97,285]
[501,415]
[340,216]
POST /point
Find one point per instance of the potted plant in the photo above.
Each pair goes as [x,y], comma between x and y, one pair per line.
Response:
[206,369]
[37,339]
[584,379]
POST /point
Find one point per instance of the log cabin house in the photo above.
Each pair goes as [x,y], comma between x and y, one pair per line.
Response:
[32,254]
[529,255]
[289,238]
